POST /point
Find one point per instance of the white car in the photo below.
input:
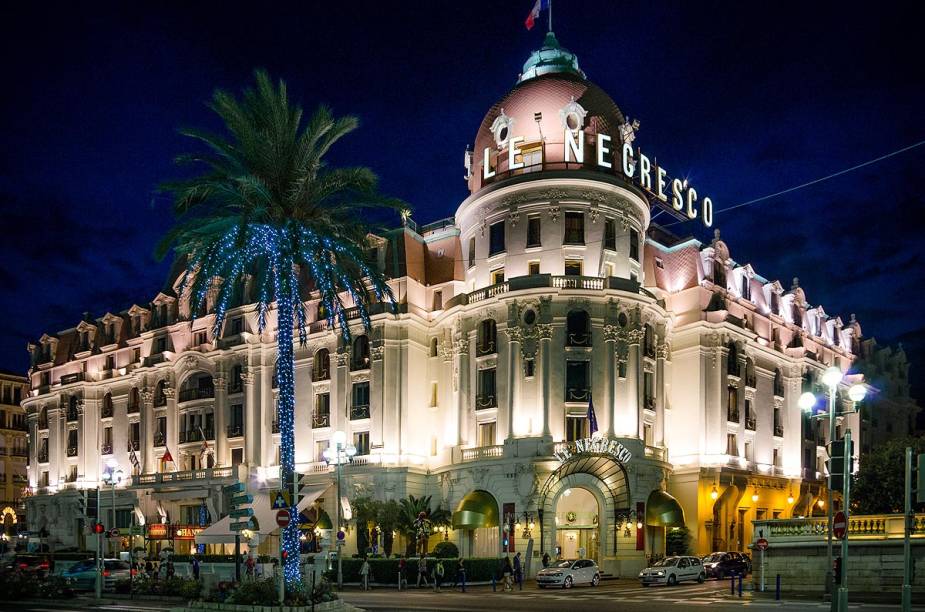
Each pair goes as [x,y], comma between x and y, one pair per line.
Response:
[673,570]
[566,574]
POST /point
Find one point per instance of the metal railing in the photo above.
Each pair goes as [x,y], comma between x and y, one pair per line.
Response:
[732,416]
[359,412]
[133,409]
[577,394]
[321,419]
[71,451]
[235,431]
[106,449]
[187,395]
[486,401]
[779,430]
[751,423]
[185,476]
[106,412]
[159,439]
[43,457]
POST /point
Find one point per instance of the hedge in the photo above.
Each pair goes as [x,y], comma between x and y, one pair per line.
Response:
[385,571]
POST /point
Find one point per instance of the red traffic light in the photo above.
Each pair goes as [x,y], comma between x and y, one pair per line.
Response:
[98,528]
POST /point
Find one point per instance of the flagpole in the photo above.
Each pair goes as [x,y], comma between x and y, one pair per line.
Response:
[550,15]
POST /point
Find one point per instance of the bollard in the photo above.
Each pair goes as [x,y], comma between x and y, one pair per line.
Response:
[494,584]
[732,585]
[777,589]
[740,585]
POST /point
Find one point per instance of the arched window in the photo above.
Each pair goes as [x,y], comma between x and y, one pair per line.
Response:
[732,360]
[106,410]
[321,365]
[778,383]
[488,337]
[578,328]
[160,397]
[433,347]
[197,386]
[359,354]
[750,377]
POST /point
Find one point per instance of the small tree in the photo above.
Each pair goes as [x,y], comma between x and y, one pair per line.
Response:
[387,517]
[879,485]
[678,541]
[365,510]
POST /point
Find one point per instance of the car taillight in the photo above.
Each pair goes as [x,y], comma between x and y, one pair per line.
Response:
[106,573]
[43,565]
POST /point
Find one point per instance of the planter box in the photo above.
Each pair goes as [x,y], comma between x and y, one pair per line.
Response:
[338,605]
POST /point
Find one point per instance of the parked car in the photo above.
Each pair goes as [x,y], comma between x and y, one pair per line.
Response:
[565,574]
[28,564]
[721,564]
[82,575]
[748,561]
[672,570]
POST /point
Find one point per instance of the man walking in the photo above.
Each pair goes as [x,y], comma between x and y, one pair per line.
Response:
[422,571]
[461,575]
[438,576]
[518,572]
[364,573]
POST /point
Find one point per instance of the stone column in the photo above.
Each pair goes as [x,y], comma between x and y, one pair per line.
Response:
[173,429]
[661,354]
[634,374]
[219,411]
[251,429]
[376,393]
[463,390]
[55,452]
[84,449]
[340,393]
[148,421]
[611,333]
[544,332]
[513,379]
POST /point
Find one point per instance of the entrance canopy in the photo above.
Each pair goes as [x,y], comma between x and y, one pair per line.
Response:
[663,510]
[477,509]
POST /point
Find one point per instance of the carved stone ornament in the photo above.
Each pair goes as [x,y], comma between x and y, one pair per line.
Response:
[544,331]
[635,336]
[593,214]
[248,377]
[515,334]
[218,382]
[488,363]
[479,474]
[361,377]
[513,218]
[662,351]
[321,387]
[447,349]
[525,474]
[377,352]
[147,396]
[648,366]
[170,392]
[554,214]
[611,333]
[342,358]
[482,227]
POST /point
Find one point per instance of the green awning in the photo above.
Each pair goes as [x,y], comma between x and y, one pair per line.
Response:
[663,510]
[477,509]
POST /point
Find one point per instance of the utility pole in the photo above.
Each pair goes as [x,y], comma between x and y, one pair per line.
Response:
[829,574]
[847,461]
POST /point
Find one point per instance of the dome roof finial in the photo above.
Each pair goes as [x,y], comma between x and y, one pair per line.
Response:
[551,57]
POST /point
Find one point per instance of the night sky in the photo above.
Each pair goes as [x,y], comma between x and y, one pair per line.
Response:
[745,101]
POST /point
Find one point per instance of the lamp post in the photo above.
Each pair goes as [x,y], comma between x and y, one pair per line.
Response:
[339,452]
[831,378]
[113,477]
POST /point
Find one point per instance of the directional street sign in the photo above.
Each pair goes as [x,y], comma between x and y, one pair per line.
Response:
[840,525]
[761,544]
[248,524]
[240,500]
[237,487]
[242,513]
[283,517]
[281,500]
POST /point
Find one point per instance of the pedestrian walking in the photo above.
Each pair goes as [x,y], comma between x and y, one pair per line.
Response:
[402,576]
[194,561]
[507,574]
[461,575]
[364,573]
[518,572]
[545,560]
[422,571]
[438,576]
[249,568]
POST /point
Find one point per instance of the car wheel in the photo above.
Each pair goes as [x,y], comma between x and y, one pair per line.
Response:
[596,580]
[701,577]
[567,583]
[720,574]
[672,580]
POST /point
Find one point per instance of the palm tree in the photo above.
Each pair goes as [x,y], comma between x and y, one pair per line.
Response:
[267,210]
[416,519]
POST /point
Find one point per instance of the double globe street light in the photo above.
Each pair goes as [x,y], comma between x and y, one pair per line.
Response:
[831,378]
[338,453]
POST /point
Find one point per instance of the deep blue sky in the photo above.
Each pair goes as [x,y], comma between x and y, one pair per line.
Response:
[745,100]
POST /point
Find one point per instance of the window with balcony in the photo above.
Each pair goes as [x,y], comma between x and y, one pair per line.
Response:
[751,419]
[575,428]
[573,267]
[487,337]
[361,442]
[577,381]
[578,328]
[634,245]
[486,436]
[487,397]
[496,238]
[471,251]
[72,443]
[160,345]
[106,446]
[321,365]
[610,234]
[359,408]
[134,401]
[200,338]
[751,379]
[732,404]
[574,228]
[778,383]
[198,386]
[160,431]
[134,435]
[106,409]
[236,380]
[321,417]
[236,421]
[359,355]
[533,231]
[732,445]
[497,276]
[648,385]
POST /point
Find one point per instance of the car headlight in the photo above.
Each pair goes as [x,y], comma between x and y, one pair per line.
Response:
[659,573]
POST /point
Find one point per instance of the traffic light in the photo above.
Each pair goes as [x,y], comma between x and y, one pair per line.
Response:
[99,528]
[836,463]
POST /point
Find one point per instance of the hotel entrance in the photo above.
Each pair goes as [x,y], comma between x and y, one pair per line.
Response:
[578,531]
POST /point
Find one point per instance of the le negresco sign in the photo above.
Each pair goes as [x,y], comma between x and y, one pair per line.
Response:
[599,446]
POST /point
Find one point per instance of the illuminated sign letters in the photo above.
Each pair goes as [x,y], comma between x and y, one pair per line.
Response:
[600,446]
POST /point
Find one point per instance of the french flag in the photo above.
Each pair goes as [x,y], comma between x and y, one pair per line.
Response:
[541,5]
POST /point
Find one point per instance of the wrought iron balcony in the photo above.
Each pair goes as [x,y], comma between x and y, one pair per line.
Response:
[71,451]
[359,412]
[583,339]
[235,431]
[779,430]
[577,394]
[732,416]
[106,412]
[192,435]
[72,378]
[649,402]
[196,393]
[133,445]
[43,456]
[486,401]
[106,449]
[321,419]
[751,423]
[133,409]
[159,439]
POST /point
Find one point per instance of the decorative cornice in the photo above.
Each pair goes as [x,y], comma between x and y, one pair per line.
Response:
[342,357]
[170,392]
[218,382]
[543,331]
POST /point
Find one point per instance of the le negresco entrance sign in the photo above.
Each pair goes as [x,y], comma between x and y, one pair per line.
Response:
[599,446]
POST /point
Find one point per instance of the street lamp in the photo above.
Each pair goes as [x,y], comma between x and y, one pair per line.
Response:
[338,453]
[113,477]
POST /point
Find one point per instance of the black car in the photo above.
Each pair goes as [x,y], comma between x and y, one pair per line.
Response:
[722,564]
[37,565]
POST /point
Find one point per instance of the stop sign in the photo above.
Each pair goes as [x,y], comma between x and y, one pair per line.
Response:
[283,517]
[761,544]
[840,525]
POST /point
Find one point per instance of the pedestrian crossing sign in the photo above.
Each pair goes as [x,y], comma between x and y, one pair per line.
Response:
[281,500]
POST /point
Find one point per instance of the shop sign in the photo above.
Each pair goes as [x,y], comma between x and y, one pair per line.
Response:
[158,531]
[186,532]
[599,446]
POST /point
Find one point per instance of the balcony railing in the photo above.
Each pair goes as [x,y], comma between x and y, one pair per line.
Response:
[235,431]
[732,416]
[580,339]
[751,423]
[359,412]
[196,393]
[192,435]
[486,401]
[133,445]
[106,449]
[649,402]
[577,394]
[186,476]
[133,409]
[875,527]
[72,415]
[779,430]
[106,412]
[482,452]
[321,374]
[321,419]
[71,451]
[275,427]
[72,378]
[159,439]
[43,457]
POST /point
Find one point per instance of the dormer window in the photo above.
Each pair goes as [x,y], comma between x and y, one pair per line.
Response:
[775,303]
[746,287]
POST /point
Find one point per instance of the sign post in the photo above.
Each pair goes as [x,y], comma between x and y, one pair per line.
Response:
[846,496]
[239,499]
[761,545]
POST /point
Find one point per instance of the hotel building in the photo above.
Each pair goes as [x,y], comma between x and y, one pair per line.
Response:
[549,287]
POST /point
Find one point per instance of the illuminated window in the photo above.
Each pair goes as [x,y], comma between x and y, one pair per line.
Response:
[361,442]
[575,428]
[497,276]
[487,397]
[533,268]
[732,445]
[487,434]
[573,267]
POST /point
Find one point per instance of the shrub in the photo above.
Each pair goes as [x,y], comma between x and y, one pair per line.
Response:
[28,586]
[257,592]
[446,550]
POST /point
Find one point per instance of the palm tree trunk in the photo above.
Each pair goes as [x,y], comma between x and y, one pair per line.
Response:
[285,417]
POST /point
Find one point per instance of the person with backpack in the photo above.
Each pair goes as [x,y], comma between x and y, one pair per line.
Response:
[438,576]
